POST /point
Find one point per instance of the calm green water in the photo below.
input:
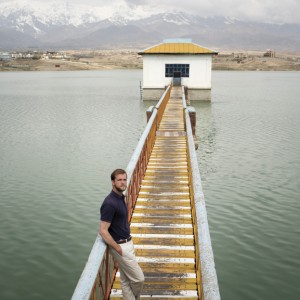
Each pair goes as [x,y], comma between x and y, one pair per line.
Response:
[63,132]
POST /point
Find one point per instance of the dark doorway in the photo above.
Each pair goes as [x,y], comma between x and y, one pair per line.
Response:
[177,78]
[177,74]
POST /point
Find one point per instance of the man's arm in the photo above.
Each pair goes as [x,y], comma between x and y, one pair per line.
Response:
[103,231]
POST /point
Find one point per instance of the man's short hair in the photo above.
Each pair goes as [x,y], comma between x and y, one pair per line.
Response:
[117,172]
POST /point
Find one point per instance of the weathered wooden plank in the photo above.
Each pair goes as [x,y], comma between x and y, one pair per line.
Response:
[164,202]
[166,275]
[171,168]
[174,280]
[160,230]
[161,220]
[170,161]
[165,253]
[163,212]
[164,241]
[166,176]
[170,218]
[160,138]
[166,247]
[162,293]
[160,297]
[174,162]
[168,268]
[158,205]
[165,188]
[164,236]
[170,151]
[169,142]
[171,286]
[173,196]
[172,155]
[162,172]
[181,147]
[174,138]
[177,147]
[160,279]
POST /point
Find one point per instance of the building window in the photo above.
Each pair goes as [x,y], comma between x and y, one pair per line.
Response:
[177,70]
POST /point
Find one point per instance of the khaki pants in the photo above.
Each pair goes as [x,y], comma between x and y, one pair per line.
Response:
[131,275]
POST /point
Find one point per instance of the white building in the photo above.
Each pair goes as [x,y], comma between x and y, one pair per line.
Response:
[4,56]
[183,62]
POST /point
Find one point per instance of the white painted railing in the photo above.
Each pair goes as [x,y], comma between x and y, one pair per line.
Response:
[205,264]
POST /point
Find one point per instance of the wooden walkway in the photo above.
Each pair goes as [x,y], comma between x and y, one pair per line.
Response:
[161,225]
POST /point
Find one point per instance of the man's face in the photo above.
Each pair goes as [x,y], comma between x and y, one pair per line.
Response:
[120,183]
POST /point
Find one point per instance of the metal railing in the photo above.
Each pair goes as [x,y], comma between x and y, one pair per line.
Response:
[207,281]
[99,273]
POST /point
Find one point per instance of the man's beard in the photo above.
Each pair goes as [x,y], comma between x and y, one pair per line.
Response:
[120,190]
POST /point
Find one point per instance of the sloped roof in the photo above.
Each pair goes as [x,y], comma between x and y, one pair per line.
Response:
[177,48]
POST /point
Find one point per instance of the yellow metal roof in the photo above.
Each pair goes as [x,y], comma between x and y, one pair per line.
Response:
[177,48]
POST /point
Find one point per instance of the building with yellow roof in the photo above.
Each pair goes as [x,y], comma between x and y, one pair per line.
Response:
[180,61]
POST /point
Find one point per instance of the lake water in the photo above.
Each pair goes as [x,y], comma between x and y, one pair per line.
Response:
[62,133]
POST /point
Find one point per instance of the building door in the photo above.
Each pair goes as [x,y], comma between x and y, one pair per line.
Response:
[177,78]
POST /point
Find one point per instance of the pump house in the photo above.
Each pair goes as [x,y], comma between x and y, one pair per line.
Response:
[180,61]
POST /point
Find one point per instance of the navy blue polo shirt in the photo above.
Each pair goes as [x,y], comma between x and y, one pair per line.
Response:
[114,211]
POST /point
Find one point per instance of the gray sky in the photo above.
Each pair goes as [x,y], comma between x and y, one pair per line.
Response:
[278,11]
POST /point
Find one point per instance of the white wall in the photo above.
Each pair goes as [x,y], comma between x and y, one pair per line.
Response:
[154,70]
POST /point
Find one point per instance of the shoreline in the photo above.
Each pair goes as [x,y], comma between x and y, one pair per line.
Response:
[129,59]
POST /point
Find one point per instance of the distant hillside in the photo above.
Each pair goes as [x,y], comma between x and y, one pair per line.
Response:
[129,59]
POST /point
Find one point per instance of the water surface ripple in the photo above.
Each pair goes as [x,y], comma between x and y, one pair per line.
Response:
[250,165]
[63,132]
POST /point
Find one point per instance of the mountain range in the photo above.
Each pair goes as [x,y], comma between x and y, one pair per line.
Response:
[28,24]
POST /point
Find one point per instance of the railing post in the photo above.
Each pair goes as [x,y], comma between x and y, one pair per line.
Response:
[106,273]
[192,114]
[149,113]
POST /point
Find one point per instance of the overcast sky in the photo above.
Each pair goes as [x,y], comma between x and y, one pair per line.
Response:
[257,10]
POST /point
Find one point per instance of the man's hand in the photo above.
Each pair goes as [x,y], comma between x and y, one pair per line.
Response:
[103,231]
[119,250]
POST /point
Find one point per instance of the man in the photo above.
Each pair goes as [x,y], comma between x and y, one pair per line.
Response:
[114,229]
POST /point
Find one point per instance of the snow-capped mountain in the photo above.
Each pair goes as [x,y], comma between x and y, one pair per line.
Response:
[22,13]
[59,25]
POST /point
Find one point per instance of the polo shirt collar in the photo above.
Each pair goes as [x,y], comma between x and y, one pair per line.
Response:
[117,195]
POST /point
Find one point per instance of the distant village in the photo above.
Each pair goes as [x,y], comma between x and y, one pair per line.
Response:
[7,56]
[96,59]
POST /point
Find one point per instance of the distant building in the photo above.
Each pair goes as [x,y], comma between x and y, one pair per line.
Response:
[17,55]
[269,53]
[4,56]
[180,61]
